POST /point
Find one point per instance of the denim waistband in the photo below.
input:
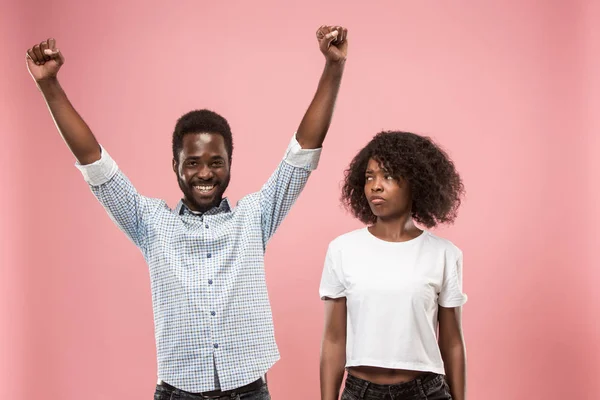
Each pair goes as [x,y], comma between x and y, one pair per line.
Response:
[368,390]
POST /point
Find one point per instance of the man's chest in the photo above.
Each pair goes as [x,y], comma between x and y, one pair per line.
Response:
[193,246]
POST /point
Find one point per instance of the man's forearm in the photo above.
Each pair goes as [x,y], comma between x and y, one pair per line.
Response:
[71,126]
[316,121]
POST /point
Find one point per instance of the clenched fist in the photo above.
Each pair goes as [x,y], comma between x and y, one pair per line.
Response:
[44,60]
[333,42]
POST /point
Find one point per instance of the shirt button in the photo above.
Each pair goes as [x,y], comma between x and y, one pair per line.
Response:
[213,313]
[208,255]
[216,345]
[210,281]
[206,226]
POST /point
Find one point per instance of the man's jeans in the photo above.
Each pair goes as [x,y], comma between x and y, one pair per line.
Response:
[163,393]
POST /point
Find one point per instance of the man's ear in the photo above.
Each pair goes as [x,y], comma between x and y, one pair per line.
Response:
[175,167]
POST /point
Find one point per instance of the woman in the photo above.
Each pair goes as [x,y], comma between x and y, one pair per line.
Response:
[390,286]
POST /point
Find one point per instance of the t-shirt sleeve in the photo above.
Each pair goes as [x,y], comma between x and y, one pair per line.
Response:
[332,286]
[452,294]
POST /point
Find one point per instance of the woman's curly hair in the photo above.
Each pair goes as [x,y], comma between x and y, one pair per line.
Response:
[435,184]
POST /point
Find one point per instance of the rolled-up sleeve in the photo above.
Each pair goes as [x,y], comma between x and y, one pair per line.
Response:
[302,158]
[100,171]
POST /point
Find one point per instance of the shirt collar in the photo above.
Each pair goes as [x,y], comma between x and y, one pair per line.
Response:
[223,207]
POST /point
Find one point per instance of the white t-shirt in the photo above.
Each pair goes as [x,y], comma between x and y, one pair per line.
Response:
[392,292]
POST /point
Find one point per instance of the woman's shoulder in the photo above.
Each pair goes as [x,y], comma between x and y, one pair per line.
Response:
[443,243]
[348,239]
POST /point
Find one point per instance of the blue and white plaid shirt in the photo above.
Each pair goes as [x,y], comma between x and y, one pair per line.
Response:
[212,317]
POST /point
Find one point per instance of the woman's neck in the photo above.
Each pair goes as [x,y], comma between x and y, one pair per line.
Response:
[395,229]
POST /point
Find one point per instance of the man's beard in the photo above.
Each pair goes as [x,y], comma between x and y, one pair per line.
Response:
[188,194]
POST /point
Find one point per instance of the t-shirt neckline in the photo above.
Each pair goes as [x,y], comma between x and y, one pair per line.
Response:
[388,243]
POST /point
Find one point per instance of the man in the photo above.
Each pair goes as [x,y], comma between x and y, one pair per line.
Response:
[213,323]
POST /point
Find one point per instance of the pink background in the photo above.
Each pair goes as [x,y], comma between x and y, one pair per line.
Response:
[511,90]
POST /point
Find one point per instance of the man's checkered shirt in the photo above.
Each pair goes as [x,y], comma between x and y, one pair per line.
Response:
[212,317]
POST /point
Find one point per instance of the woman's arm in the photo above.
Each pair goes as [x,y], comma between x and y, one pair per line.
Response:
[452,347]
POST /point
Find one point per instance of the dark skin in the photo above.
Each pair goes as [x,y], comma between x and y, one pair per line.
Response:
[203,166]
[203,163]
[390,201]
[44,61]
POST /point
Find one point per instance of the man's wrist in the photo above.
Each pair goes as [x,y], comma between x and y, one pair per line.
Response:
[47,82]
[337,64]
[48,85]
[335,68]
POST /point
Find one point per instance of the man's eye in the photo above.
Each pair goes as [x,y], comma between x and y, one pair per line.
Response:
[369,178]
